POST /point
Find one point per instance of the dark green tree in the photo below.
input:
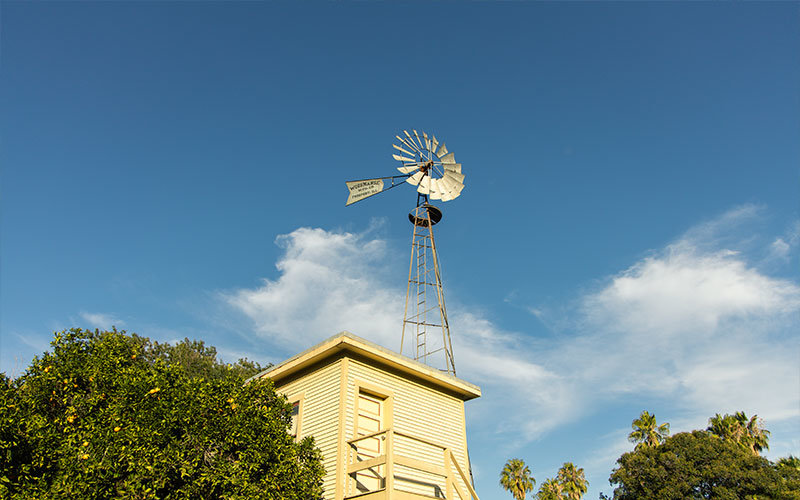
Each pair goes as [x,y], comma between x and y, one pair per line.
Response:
[112,415]
[695,465]
[199,360]
[789,470]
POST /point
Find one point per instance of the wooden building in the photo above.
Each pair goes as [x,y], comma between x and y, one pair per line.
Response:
[388,427]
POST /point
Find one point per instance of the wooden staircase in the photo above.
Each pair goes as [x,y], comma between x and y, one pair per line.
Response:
[394,475]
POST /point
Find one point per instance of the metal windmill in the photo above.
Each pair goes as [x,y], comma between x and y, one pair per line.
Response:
[427,164]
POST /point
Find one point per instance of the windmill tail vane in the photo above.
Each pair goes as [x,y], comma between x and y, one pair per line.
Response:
[432,168]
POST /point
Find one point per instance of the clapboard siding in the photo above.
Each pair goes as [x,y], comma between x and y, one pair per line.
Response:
[419,411]
[320,415]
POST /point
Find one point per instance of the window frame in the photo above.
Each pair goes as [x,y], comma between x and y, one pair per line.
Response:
[297,400]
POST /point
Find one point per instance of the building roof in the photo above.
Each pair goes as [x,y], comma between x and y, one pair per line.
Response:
[346,342]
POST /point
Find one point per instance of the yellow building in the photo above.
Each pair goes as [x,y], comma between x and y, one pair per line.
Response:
[388,427]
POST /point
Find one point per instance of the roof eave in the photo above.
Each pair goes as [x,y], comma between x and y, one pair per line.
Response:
[347,342]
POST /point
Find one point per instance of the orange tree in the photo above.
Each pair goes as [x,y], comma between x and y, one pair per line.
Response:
[108,414]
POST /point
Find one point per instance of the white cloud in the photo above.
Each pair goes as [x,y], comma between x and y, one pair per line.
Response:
[702,327]
[328,282]
[683,291]
[101,320]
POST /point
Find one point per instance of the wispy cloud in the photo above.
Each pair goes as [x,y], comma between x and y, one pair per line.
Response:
[101,320]
[783,246]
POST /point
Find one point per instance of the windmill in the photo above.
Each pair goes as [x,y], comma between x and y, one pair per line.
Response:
[428,165]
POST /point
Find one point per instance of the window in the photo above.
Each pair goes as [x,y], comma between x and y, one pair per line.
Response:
[295,415]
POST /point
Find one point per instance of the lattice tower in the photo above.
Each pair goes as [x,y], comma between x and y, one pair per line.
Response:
[425,324]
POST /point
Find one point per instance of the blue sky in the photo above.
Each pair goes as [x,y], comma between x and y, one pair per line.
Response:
[627,238]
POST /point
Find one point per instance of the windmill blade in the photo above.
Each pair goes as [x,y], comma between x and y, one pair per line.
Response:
[407,144]
[424,185]
[363,189]
[441,151]
[411,139]
[448,158]
[444,187]
[452,195]
[432,186]
[410,143]
[408,169]
[455,176]
[453,167]
[414,179]
[437,190]
[455,193]
[448,187]
[419,140]
[402,150]
[427,141]
[449,184]
[403,158]
[434,143]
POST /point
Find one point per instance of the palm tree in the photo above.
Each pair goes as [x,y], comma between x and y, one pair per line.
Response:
[726,427]
[550,490]
[647,432]
[756,436]
[746,432]
[516,477]
[572,480]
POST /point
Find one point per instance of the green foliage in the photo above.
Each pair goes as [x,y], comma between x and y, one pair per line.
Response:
[572,480]
[647,432]
[789,470]
[197,360]
[569,484]
[112,415]
[696,465]
[516,477]
[550,490]
[746,432]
